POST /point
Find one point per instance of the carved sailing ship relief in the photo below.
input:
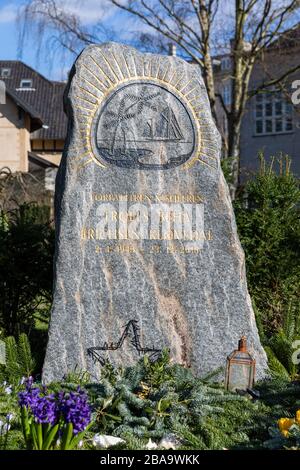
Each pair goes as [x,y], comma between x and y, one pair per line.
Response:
[159,139]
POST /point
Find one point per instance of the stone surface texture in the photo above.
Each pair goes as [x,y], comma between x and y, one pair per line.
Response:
[142,145]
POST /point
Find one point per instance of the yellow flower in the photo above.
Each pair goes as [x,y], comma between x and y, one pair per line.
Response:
[144,392]
[298,416]
[284,425]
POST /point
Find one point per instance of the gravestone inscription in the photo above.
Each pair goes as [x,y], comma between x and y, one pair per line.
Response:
[147,252]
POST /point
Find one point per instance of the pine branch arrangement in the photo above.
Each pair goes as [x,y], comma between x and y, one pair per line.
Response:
[152,400]
[19,360]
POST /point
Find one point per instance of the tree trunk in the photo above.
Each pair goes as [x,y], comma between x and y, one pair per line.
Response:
[207,70]
[234,156]
[238,97]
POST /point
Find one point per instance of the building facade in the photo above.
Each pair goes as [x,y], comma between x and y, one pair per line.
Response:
[33,125]
[32,121]
[271,122]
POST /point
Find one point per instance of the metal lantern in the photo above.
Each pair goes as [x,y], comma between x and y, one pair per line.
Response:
[240,368]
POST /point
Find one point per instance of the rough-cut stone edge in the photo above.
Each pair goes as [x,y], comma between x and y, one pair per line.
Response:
[213,134]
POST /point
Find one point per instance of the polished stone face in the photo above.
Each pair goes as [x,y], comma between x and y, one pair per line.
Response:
[147,253]
[144,126]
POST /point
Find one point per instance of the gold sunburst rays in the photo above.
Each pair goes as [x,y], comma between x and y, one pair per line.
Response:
[83,133]
[210,152]
[210,156]
[176,85]
[199,112]
[172,77]
[104,85]
[82,160]
[207,140]
[153,69]
[126,65]
[83,98]
[101,70]
[160,71]
[118,65]
[105,73]
[209,163]
[109,66]
[86,111]
[145,65]
[130,65]
[156,74]
[82,156]
[90,93]
[189,82]
[84,142]
[212,149]
[199,159]
[134,65]
[87,162]
[195,98]
[168,68]
[94,87]
[138,65]
[189,91]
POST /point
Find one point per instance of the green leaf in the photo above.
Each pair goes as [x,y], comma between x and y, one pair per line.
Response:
[25,422]
[12,365]
[25,359]
[39,433]
[67,436]
[76,439]
[46,429]
[50,437]
[34,436]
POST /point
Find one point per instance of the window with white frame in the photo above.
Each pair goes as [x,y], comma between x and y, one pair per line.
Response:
[5,73]
[226,63]
[226,93]
[273,113]
[26,83]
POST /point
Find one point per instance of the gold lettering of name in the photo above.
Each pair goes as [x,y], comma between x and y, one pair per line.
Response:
[88,233]
[136,197]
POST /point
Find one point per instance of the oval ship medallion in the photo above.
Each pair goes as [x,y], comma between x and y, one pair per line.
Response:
[144,126]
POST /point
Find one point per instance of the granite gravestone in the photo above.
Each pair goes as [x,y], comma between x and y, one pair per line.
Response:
[147,252]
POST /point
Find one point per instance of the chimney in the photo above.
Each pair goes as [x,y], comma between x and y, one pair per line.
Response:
[172,49]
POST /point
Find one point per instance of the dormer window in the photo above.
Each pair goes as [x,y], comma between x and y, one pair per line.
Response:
[226,63]
[273,113]
[26,83]
[5,73]
[226,93]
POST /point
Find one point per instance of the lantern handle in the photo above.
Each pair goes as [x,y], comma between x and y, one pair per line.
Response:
[243,344]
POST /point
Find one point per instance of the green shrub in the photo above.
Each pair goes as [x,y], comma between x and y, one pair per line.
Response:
[26,254]
[18,361]
[269,229]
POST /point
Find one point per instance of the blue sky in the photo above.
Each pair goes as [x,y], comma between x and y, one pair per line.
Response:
[93,11]
[8,36]
[90,12]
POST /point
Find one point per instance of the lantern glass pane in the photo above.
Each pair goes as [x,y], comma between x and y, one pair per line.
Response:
[242,356]
[239,376]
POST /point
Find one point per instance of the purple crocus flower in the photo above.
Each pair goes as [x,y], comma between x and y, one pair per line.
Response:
[45,409]
[75,409]
[28,382]
[48,408]
[29,397]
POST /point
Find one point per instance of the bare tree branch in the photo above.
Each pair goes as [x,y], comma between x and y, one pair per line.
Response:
[254,31]
[273,81]
[222,102]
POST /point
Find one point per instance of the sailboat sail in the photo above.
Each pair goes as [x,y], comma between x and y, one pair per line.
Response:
[165,128]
